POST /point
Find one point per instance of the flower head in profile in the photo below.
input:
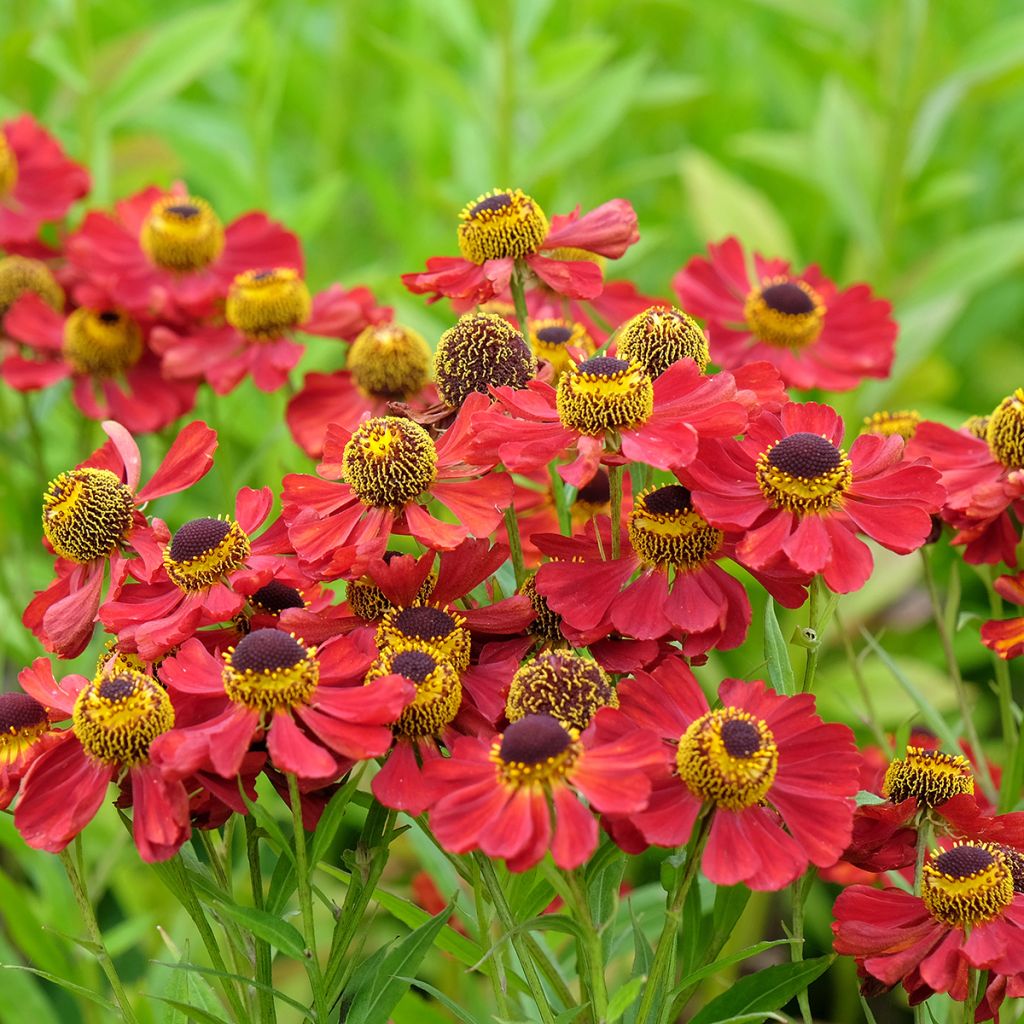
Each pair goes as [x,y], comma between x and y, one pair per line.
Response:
[26,730]
[506,226]
[818,335]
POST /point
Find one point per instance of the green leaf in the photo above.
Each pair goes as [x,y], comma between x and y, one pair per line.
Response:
[776,653]
[332,817]
[763,992]
[171,57]
[624,998]
[23,999]
[726,961]
[193,1013]
[70,986]
[451,1006]
[280,934]
[865,798]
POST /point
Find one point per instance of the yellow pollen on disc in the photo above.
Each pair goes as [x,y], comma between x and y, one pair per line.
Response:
[19,275]
[785,313]
[552,340]
[666,531]
[438,687]
[8,167]
[728,758]
[547,623]
[535,751]
[442,630]
[269,670]
[265,304]
[566,686]
[930,775]
[604,394]
[369,602]
[501,224]
[389,361]
[967,884]
[804,473]
[977,426]
[388,461]
[659,337]
[86,513]
[1004,431]
[182,233]
[202,551]
[22,722]
[903,423]
[117,716]
[101,343]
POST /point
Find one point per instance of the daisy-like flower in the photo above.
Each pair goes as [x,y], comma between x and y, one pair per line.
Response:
[681,589]
[91,517]
[193,585]
[562,684]
[26,730]
[561,343]
[801,498]
[982,467]
[609,409]
[38,184]
[264,309]
[505,226]
[105,353]
[166,254]
[316,718]
[816,334]
[115,718]
[968,915]
[387,363]
[21,275]
[1006,636]
[778,780]
[387,466]
[502,795]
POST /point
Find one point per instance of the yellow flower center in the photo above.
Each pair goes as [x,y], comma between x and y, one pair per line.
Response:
[665,530]
[503,223]
[977,426]
[101,343]
[604,394]
[903,423]
[728,758]
[265,304]
[566,686]
[659,337]
[204,550]
[482,350]
[22,721]
[182,234]
[117,717]
[438,689]
[967,884]
[8,167]
[1004,431]
[546,624]
[19,274]
[86,512]
[388,461]
[552,339]
[804,473]
[269,669]
[389,361]
[785,313]
[930,775]
[535,751]
[441,631]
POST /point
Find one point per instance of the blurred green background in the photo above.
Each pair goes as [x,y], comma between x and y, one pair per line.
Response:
[879,138]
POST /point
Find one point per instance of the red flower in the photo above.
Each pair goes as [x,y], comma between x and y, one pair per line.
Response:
[966,916]
[817,335]
[91,516]
[166,254]
[25,732]
[264,309]
[390,465]
[502,796]
[801,498]
[1006,636]
[116,718]
[505,226]
[106,354]
[609,410]
[778,780]
[38,183]
[316,717]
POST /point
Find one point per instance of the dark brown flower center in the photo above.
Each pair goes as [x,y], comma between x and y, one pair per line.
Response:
[805,455]
[740,738]
[603,366]
[491,203]
[534,739]
[424,623]
[276,596]
[265,650]
[186,211]
[19,711]
[597,491]
[555,335]
[669,500]
[787,298]
[568,687]
[198,536]
[414,665]
[963,861]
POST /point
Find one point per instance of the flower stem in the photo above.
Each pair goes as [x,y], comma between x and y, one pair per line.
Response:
[801,887]
[96,936]
[615,484]
[306,901]
[662,972]
[518,290]
[492,964]
[561,506]
[817,619]
[264,968]
[515,545]
[592,980]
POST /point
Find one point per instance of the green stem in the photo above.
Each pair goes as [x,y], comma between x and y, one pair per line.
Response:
[924,838]
[518,290]
[820,611]
[508,922]
[96,936]
[662,972]
[561,505]
[483,936]
[615,484]
[36,437]
[953,668]
[306,901]
[592,979]
[801,887]
[515,545]
[264,964]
